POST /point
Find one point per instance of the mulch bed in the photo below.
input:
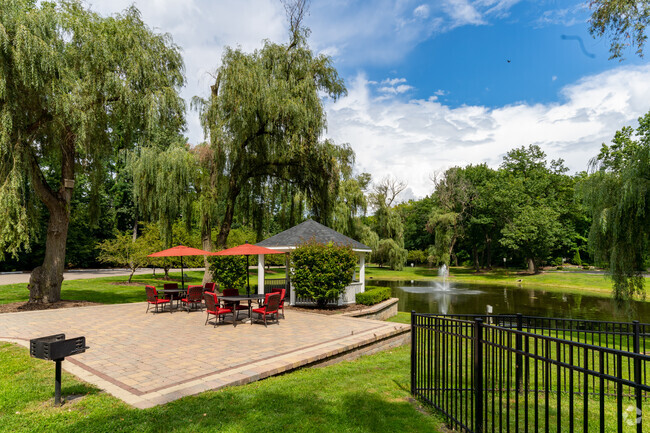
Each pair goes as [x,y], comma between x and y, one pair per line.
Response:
[330,310]
[15,307]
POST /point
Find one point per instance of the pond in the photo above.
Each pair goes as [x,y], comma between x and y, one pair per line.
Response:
[463,298]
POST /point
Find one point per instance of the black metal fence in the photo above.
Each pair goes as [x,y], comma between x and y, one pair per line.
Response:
[515,373]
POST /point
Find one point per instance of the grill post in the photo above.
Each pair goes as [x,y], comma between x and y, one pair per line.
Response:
[478,375]
[57,383]
[518,357]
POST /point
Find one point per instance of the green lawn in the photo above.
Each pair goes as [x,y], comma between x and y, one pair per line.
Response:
[370,394]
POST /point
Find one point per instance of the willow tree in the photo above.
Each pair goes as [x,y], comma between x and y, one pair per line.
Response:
[264,119]
[74,87]
[617,194]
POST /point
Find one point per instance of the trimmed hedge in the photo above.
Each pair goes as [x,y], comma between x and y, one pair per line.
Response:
[373,296]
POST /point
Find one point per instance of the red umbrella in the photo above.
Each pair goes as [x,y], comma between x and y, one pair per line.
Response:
[246,250]
[181,251]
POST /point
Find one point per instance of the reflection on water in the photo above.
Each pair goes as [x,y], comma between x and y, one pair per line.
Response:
[454,298]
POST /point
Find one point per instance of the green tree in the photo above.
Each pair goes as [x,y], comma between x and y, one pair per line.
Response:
[122,250]
[617,195]
[264,118]
[623,20]
[535,198]
[70,79]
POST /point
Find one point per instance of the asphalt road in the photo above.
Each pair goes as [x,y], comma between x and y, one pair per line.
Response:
[23,277]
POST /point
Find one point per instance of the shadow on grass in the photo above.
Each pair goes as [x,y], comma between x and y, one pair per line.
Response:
[269,411]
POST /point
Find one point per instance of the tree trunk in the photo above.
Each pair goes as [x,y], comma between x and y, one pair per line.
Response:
[131,276]
[532,266]
[45,281]
[224,231]
[477,265]
[488,247]
[206,242]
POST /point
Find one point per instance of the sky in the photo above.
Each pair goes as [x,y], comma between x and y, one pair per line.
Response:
[431,84]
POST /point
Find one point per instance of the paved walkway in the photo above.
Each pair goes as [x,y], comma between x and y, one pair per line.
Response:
[23,277]
[151,359]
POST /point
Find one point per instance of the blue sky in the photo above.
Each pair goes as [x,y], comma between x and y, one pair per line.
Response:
[429,83]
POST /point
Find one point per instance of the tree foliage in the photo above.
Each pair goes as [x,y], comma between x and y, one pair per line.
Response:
[74,88]
[617,194]
[122,250]
[264,119]
[624,21]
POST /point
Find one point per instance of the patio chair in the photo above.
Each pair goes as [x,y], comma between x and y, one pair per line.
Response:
[271,303]
[193,298]
[209,287]
[212,307]
[152,298]
[282,292]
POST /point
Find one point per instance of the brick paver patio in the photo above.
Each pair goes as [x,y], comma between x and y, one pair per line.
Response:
[150,359]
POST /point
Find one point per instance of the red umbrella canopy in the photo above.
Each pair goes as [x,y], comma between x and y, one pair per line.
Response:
[245,250]
[180,251]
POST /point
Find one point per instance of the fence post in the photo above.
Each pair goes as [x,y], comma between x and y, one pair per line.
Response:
[478,375]
[518,357]
[637,374]
[413,353]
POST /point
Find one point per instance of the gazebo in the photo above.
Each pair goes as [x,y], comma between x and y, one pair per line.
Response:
[311,230]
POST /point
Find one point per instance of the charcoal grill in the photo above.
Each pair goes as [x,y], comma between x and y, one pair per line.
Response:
[56,348]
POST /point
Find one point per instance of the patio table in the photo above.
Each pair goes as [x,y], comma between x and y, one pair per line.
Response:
[176,294]
[250,298]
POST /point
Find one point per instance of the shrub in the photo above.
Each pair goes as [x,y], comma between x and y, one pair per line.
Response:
[321,272]
[559,268]
[373,296]
[229,271]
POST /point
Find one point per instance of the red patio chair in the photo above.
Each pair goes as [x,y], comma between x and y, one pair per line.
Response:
[209,287]
[152,298]
[271,303]
[282,292]
[212,307]
[193,298]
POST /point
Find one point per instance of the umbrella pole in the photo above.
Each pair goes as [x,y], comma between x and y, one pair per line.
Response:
[248,281]
[182,277]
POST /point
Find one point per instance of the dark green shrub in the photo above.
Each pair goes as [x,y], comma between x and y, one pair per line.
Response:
[559,268]
[373,295]
[321,272]
[229,271]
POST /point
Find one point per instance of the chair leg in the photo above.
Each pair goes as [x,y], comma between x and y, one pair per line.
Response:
[265,320]
[148,305]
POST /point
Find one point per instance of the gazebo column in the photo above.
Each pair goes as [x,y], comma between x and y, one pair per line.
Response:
[260,274]
[362,271]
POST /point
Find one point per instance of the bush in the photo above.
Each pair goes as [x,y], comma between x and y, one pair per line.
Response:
[229,271]
[373,296]
[559,268]
[321,272]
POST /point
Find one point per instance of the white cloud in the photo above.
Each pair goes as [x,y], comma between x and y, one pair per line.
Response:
[462,12]
[421,11]
[412,139]
[554,77]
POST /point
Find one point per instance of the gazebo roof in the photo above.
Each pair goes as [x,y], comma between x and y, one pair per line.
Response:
[311,230]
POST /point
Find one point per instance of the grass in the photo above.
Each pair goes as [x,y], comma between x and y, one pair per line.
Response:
[370,394]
